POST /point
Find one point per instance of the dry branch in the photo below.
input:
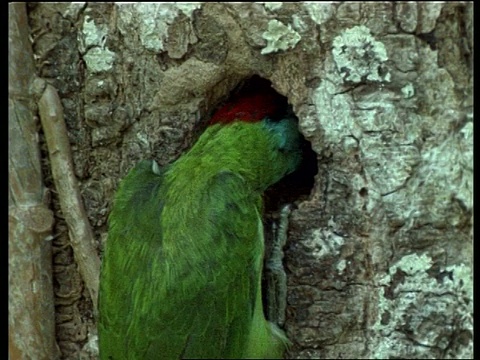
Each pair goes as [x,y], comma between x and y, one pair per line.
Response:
[80,232]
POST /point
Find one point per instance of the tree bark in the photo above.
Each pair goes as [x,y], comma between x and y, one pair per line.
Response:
[31,303]
[379,251]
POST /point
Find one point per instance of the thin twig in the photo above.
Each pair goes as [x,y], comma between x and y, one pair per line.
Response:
[81,235]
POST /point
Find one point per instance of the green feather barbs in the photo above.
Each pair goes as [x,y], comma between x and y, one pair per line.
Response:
[182,267]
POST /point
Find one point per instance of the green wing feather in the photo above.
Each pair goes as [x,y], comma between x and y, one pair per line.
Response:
[189,293]
[181,275]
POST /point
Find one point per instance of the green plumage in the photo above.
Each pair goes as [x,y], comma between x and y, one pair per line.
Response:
[181,274]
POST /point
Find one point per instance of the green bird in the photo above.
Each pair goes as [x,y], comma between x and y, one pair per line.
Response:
[182,267]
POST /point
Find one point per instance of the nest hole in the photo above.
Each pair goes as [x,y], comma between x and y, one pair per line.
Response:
[297,186]
[292,189]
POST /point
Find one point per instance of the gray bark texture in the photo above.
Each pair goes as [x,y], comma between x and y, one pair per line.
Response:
[378,257]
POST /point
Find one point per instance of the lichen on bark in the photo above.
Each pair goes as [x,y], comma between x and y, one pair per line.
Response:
[383,92]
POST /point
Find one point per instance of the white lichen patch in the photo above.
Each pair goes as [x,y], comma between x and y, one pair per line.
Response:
[279,37]
[430,307]
[341,266]
[408,91]
[359,57]
[411,265]
[272,6]
[92,35]
[322,242]
[320,12]
[92,40]
[298,23]
[98,59]
[153,20]
[334,110]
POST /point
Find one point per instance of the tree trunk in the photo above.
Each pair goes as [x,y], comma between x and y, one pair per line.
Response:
[379,251]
